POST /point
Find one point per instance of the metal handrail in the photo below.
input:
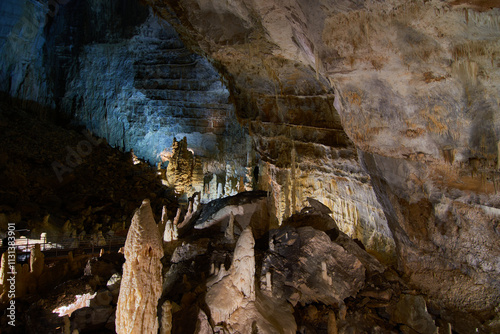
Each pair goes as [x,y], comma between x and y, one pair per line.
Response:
[67,244]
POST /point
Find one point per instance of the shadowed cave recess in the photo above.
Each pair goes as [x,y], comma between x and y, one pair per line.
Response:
[202,166]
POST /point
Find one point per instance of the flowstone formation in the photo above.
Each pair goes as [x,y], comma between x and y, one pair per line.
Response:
[141,284]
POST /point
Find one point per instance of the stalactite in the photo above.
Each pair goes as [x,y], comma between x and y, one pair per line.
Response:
[498,155]
[316,62]
[293,159]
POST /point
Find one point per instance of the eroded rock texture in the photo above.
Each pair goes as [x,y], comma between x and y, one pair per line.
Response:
[141,284]
[412,84]
[129,78]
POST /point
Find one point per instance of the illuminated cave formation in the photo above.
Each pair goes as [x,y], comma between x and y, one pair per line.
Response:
[311,167]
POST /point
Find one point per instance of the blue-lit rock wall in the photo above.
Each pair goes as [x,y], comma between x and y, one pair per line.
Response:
[133,82]
[123,73]
[22,71]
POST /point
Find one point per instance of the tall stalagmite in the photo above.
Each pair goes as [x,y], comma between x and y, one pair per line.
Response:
[235,288]
[141,283]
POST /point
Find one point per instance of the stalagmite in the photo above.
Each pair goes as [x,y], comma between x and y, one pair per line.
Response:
[229,233]
[243,268]
[219,190]
[141,285]
[269,286]
[4,269]
[101,241]
[196,202]
[177,217]
[187,216]
[230,290]
[167,228]
[163,221]
[332,323]
[192,208]
[37,261]
[166,318]
[170,233]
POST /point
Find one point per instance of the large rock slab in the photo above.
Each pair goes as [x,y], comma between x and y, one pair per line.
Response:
[306,267]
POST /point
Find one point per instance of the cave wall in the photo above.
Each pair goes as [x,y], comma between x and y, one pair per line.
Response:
[133,82]
[123,72]
[415,85]
[387,107]
[22,72]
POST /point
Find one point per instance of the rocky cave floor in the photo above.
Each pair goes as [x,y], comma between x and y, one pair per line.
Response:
[332,284]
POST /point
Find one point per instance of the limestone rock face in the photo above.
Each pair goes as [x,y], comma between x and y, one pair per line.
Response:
[125,74]
[411,85]
[141,283]
[21,44]
[437,231]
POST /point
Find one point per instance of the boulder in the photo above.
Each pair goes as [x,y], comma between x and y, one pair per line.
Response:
[91,318]
[412,311]
[306,266]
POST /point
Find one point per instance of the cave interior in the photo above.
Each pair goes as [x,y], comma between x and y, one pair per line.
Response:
[202,166]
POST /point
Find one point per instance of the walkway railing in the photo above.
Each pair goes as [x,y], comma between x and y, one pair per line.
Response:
[89,244]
